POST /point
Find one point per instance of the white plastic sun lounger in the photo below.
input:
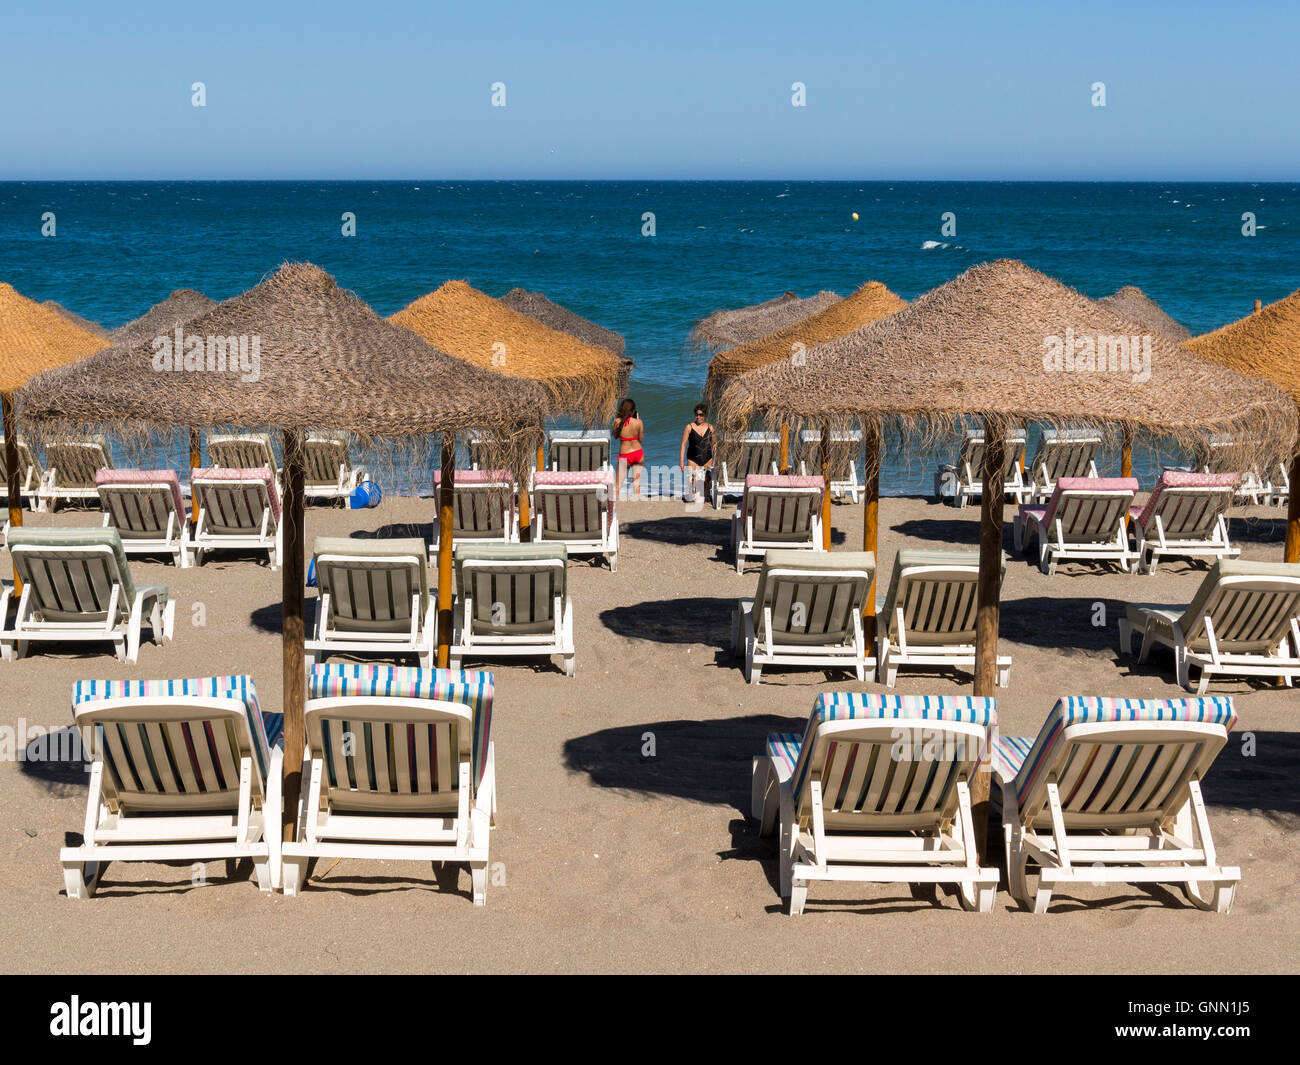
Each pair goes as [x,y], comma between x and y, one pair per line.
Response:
[1084,520]
[330,474]
[243,451]
[846,473]
[400,767]
[1062,453]
[30,474]
[71,469]
[483,507]
[751,453]
[239,509]
[577,510]
[1186,517]
[777,511]
[584,451]
[181,770]
[1110,793]
[1243,621]
[77,588]
[963,480]
[512,599]
[877,789]
[374,596]
[807,611]
[1278,493]
[147,510]
[927,618]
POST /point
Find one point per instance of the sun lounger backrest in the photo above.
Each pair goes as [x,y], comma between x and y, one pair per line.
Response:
[783,506]
[250,451]
[1090,509]
[140,502]
[972,455]
[174,745]
[1189,504]
[571,504]
[1069,454]
[324,456]
[813,596]
[483,503]
[810,442]
[757,453]
[1121,762]
[235,499]
[26,461]
[76,461]
[372,583]
[472,689]
[1249,604]
[889,760]
[936,590]
[579,454]
[72,572]
[512,587]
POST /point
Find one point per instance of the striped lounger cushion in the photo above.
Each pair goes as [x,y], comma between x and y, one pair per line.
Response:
[267,728]
[472,687]
[224,473]
[1020,759]
[1045,514]
[1146,515]
[167,477]
[788,747]
[579,477]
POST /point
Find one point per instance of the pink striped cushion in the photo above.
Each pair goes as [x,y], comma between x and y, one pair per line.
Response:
[582,477]
[167,477]
[1086,484]
[222,473]
[780,480]
[1181,479]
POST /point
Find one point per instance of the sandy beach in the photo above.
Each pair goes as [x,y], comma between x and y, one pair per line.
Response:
[608,861]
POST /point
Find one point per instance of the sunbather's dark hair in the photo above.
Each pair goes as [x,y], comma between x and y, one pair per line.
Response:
[621,418]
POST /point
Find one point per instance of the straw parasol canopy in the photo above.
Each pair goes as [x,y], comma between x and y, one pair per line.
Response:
[580,379]
[869,303]
[324,358]
[1264,344]
[1132,302]
[162,318]
[535,305]
[35,338]
[76,319]
[727,329]
[986,344]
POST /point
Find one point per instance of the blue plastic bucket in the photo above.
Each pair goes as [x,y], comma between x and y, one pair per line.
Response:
[366,494]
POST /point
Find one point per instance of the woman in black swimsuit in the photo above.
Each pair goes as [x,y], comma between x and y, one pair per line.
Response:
[697,450]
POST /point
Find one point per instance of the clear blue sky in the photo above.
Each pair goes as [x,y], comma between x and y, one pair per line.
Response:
[961,90]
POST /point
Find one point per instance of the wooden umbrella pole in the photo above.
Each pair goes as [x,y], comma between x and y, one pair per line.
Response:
[871,531]
[1292,514]
[446,496]
[826,487]
[13,478]
[785,448]
[196,461]
[293,580]
[1126,462]
[986,620]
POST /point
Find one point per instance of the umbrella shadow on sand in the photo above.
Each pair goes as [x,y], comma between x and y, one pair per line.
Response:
[704,620]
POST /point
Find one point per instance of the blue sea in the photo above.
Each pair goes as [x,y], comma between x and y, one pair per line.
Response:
[122,246]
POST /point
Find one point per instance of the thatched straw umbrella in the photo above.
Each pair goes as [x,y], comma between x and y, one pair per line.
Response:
[325,359]
[93,328]
[162,319]
[868,304]
[983,345]
[580,379]
[33,338]
[1132,302]
[1266,344]
[726,329]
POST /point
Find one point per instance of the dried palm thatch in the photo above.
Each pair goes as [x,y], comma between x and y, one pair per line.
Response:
[76,319]
[983,345]
[1132,302]
[726,329]
[34,338]
[162,318]
[1264,344]
[869,303]
[580,379]
[535,305]
[325,360]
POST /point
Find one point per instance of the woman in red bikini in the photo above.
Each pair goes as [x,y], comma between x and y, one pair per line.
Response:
[631,450]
